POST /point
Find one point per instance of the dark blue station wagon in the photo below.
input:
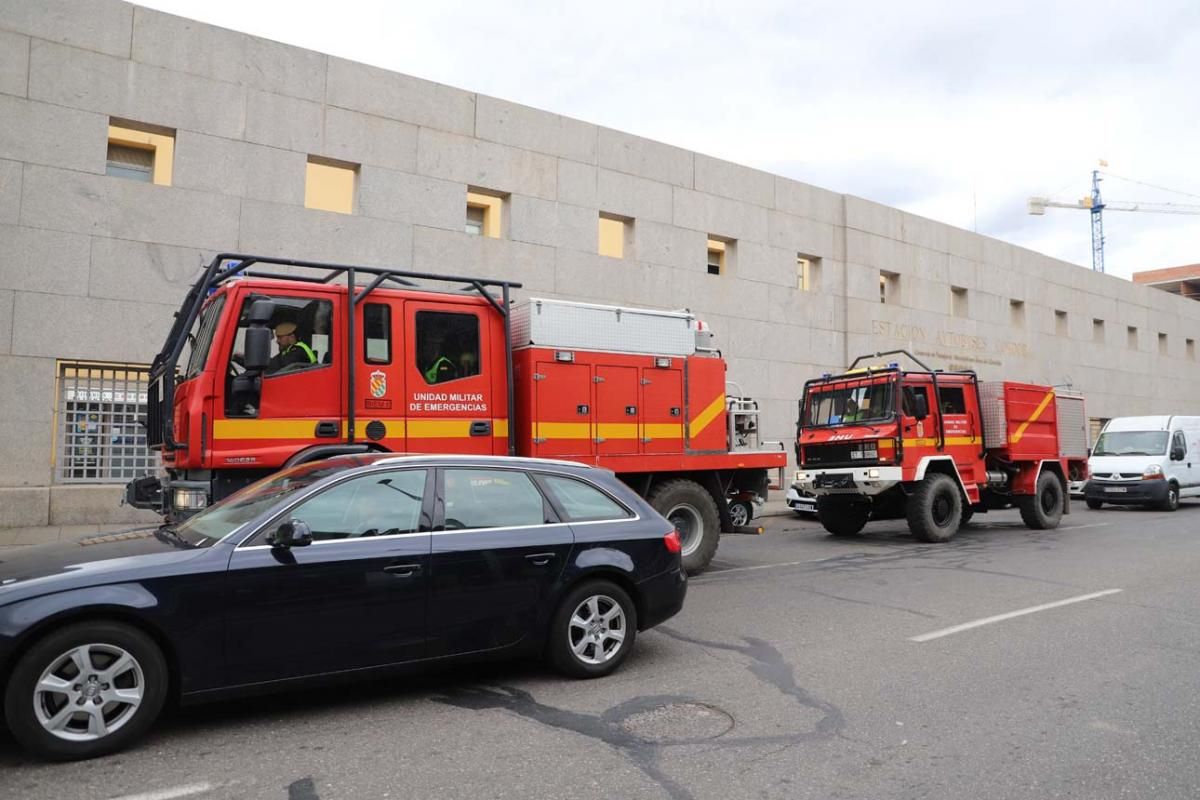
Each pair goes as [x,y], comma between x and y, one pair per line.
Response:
[345,567]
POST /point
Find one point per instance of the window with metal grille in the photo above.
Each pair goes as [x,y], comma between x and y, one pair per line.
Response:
[100,435]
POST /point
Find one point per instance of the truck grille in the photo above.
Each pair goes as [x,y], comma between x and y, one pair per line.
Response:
[841,454]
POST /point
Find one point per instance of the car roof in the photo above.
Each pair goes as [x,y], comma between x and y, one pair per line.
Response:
[397,459]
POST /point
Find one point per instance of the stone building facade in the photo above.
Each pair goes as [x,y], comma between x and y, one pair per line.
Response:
[99,241]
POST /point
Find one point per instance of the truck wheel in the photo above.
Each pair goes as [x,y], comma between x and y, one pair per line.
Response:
[1094,505]
[842,519]
[1171,501]
[1044,508]
[86,690]
[691,509]
[935,509]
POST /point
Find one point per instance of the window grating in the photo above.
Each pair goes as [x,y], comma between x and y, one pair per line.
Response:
[100,434]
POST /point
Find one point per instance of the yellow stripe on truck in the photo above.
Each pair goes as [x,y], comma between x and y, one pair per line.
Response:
[1037,412]
[697,426]
[397,428]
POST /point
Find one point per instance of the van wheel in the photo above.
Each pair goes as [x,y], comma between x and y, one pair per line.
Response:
[1094,505]
[935,509]
[1171,501]
[842,519]
[1044,508]
[86,690]
[691,509]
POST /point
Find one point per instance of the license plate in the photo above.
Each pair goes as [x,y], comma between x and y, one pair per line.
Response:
[1115,489]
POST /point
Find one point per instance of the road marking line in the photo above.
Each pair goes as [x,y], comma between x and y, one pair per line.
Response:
[169,794]
[966,626]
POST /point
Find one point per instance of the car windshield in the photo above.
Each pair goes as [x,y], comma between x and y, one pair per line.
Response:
[219,520]
[1131,443]
[848,403]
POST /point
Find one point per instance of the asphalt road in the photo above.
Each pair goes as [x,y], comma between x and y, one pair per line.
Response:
[791,673]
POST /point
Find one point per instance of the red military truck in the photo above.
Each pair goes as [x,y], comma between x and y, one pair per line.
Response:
[397,366]
[936,447]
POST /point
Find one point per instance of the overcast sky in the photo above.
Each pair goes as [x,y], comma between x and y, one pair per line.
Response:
[955,111]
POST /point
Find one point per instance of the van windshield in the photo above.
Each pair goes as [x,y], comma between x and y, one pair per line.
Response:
[1131,443]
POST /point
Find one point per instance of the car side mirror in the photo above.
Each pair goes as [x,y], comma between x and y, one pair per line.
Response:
[921,406]
[293,533]
[258,349]
[1177,454]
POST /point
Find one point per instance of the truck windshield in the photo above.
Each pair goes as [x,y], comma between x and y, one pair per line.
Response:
[202,337]
[218,521]
[1131,443]
[849,403]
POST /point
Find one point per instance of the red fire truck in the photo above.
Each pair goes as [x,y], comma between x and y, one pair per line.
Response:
[376,360]
[936,447]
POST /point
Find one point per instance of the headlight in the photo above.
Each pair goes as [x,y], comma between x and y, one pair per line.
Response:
[872,474]
[190,499]
[1152,472]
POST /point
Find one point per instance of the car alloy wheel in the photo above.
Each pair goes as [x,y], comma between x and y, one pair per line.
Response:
[89,692]
[597,629]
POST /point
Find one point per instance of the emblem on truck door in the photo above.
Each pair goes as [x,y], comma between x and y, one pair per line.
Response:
[378,383]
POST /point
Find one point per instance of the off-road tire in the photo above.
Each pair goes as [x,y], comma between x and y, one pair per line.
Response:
[842,519]
[558,645]
[935,509]
[1043,509]
[696,506]
[18,698]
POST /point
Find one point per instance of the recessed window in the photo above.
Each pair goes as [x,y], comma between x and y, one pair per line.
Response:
[1097,330]
[99,431]
[717,252]
[485,213]
[330,185]
[1016,313]
[615,233]
[959,302]
[1190,348]
[889,286]
[137,152]
[808,272]
[1131,337]
[1060,323]
[1162,344]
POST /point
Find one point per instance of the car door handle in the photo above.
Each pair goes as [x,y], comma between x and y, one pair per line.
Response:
[540,559]
[402,570]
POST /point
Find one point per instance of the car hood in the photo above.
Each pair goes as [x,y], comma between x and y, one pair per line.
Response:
[95,558]
[1128,464]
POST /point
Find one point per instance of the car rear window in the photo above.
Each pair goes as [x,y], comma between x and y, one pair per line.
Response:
[582,502]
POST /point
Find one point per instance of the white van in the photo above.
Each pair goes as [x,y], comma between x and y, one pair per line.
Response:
[1147,461]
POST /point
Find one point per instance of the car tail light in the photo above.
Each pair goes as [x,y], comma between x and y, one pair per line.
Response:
[671,540]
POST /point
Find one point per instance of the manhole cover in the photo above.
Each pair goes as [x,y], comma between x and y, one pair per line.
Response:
[679,722]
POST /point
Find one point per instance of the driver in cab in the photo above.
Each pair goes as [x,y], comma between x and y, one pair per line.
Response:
[291,350]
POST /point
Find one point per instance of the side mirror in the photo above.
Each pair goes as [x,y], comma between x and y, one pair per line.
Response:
[1177,454]
[921,403]
[258,349]
[293,533]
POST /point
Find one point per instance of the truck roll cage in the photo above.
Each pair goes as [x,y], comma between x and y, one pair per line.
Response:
[226,266]
[925,370]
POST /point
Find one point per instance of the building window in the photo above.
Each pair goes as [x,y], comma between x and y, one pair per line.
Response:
[717,253]
[484,213]
[959,302]
[1098,330]
[1016,313]
[808,273]
[1162,344]
[889,286]
[615,234]
[330,185]
[1190,348]
[1131,337]
[99,432]
[139,152]
[1060,323]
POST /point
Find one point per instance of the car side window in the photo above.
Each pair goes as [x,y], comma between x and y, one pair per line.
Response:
[491,498]
[909,401]
[953,401]
[1180,442]
[380,504]
[582,502]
